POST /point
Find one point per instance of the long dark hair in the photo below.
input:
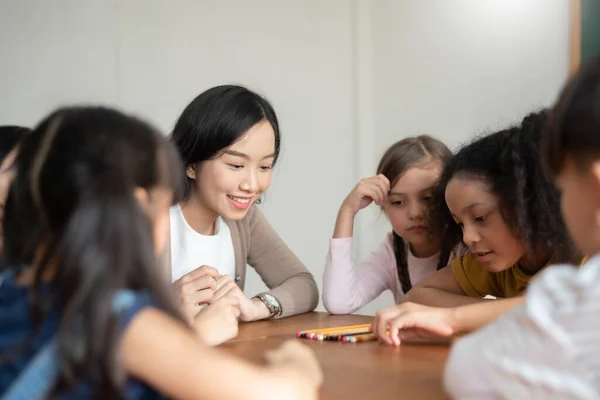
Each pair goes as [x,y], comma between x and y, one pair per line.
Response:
[216,119]
[10,136]
[72,214]
[509,162]
[398,158]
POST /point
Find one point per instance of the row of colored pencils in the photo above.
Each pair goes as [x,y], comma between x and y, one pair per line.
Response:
[348,334]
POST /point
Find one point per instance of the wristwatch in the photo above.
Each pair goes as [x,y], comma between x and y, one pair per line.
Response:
[272,304]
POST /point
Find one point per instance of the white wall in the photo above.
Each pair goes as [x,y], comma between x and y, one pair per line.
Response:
[347,78]
[456,68]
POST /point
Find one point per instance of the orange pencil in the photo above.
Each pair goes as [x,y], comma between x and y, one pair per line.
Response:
[336,328]
[343,332]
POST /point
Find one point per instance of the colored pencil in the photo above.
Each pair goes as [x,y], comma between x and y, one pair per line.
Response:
[340,337]
[343,332]
[367,337]
[325,336]
[335,328]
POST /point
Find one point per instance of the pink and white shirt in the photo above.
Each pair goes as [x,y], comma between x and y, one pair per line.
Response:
[347,287]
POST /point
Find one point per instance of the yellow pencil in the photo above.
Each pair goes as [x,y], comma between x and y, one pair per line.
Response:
[334,331]
[336,328]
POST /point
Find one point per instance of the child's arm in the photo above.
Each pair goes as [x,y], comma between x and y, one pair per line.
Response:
[161,352]
[369,190]
[347,288]
[440,289]
[407,319]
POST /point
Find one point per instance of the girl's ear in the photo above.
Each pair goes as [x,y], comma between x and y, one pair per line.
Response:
[190,171]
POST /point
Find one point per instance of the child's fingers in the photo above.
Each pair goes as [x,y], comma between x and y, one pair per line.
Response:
[373,191]
[382,320]
[381,189]
[385,181]
[418,322]
[364,192]
[372,182]
[385,338]
[375,184]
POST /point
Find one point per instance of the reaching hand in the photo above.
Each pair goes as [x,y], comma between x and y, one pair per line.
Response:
[408,320]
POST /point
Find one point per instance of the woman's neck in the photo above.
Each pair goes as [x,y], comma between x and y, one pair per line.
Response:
[199,217]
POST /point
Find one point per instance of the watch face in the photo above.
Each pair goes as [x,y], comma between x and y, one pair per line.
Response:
[272,300]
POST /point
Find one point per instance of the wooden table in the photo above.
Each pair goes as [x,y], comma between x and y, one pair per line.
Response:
[352,371]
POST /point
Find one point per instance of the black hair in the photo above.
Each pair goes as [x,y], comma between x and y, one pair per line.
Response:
[72,214]
[574,125]
[10,136]
[509,162]
[216,119]
[398,158]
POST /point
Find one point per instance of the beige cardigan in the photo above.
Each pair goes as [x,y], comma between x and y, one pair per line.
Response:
[256,243]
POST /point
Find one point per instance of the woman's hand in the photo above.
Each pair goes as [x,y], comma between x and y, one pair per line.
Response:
[195,289]
[250,309]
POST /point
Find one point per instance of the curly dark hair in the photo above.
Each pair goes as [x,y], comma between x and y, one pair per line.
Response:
[509,162]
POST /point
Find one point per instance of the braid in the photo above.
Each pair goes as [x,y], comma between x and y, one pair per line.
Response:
[444,257]
[401,263]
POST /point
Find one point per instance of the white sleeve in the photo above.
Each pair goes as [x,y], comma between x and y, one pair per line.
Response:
[547,348]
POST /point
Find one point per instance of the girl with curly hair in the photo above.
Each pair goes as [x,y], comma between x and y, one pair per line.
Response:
[494,195]
[548,348]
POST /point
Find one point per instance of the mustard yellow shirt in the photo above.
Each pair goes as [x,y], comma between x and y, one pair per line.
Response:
[477,281]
